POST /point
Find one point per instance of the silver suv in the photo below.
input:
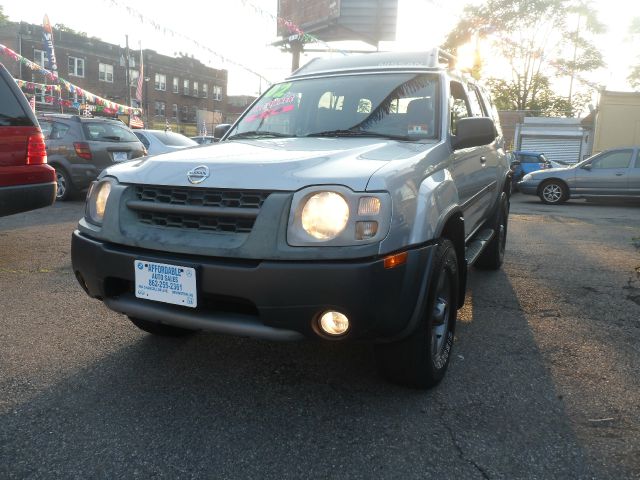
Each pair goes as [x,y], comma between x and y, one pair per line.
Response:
[347,203]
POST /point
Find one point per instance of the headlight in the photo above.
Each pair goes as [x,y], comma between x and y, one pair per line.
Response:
[325,215]
[97,201]
[527,177]
[338,216]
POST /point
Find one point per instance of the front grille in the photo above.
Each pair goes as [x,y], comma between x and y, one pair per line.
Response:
[205,197]
[205,209]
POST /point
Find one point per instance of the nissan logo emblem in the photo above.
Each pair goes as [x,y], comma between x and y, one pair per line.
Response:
[198,174]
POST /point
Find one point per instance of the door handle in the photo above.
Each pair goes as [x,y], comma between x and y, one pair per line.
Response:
[483,160]
[619,174]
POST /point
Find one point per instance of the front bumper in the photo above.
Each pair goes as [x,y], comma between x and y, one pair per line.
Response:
[277,300]
[530,188]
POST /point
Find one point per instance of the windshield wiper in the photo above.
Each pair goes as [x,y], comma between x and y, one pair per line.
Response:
[356,133]
[111,137]
[258,134]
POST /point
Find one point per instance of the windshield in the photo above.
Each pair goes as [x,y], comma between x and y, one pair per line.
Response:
[108,132]
[174,139]
[398,105]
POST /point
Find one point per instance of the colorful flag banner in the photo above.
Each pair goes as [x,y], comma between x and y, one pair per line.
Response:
[140,79]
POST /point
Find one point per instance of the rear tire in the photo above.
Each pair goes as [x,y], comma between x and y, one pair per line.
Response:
[553,192]
[421,359]
[493,255]
[65,186]
[160,329]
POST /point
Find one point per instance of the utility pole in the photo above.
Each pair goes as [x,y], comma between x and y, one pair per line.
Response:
[126,73]
[296,50]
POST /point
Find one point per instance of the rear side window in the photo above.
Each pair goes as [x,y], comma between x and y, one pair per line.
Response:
[53,130]
[12,113]
[143,139]
[107,132]
[174,139]
[530,159]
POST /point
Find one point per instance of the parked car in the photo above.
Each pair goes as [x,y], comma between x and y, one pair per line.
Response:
[205,140]
[79,148]
[526,162]
[160,141]
[346,204]
[26,181]
[613,173]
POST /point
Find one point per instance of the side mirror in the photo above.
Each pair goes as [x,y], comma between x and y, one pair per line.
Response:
[586,166]
[221,130]
[473,132]
[515,163]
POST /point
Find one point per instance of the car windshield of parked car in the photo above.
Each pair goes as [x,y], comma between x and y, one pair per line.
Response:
[172,139]
[396,105]
[108,132]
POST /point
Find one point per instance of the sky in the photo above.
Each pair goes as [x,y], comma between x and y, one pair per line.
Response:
[243,30]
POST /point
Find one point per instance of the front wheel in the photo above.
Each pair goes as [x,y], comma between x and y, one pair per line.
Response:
[553,192]
[160,328]
[421,359]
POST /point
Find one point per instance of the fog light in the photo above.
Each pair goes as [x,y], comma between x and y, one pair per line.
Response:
[366,230]
[334,323]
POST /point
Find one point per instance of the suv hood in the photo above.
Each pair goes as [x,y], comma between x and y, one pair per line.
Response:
[274,164]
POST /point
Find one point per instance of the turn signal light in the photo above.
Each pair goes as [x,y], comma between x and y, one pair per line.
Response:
[393,261]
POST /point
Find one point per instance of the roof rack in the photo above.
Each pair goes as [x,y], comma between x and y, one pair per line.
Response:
[438,56]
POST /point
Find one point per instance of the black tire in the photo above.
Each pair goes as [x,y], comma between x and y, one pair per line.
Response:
[553,192]
[492,256]
[66,190]
[160,328]
[421,359]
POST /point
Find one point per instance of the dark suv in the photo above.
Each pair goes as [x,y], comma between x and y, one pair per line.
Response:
[79,148]
[26,181]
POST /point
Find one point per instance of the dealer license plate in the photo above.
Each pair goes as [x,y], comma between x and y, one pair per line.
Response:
[120,156]
[166,283]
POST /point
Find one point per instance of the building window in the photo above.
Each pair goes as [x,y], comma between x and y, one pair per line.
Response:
[133,77]
[174,111]
[39,57]
[205,90]
[195,89]
[216,93]
[185,87]
[43,96]
[76,66]
[160,109]
[105,72]
[161,81]
[185,114]
[175,84]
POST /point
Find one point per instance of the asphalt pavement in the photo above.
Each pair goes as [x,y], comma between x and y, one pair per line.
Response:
[543,383]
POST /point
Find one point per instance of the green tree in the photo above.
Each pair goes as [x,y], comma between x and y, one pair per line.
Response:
[61,27]
[3,18]
[536,39]
[634,76]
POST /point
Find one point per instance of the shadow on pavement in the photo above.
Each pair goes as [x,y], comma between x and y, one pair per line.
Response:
[224,407]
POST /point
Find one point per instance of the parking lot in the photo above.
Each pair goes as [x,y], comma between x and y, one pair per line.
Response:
[543,383]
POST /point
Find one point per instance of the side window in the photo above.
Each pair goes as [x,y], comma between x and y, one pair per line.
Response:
[619,159]
[638,159]
[459,105]
[476,105]
[58,130]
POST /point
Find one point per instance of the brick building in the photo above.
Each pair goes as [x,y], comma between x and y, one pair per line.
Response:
[181,92]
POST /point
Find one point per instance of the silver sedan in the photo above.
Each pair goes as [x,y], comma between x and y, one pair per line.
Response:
[610,174]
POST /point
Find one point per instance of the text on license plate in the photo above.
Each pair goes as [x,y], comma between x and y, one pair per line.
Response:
[166,283]
[120,156]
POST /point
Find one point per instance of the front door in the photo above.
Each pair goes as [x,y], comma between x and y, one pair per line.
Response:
[605,174]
